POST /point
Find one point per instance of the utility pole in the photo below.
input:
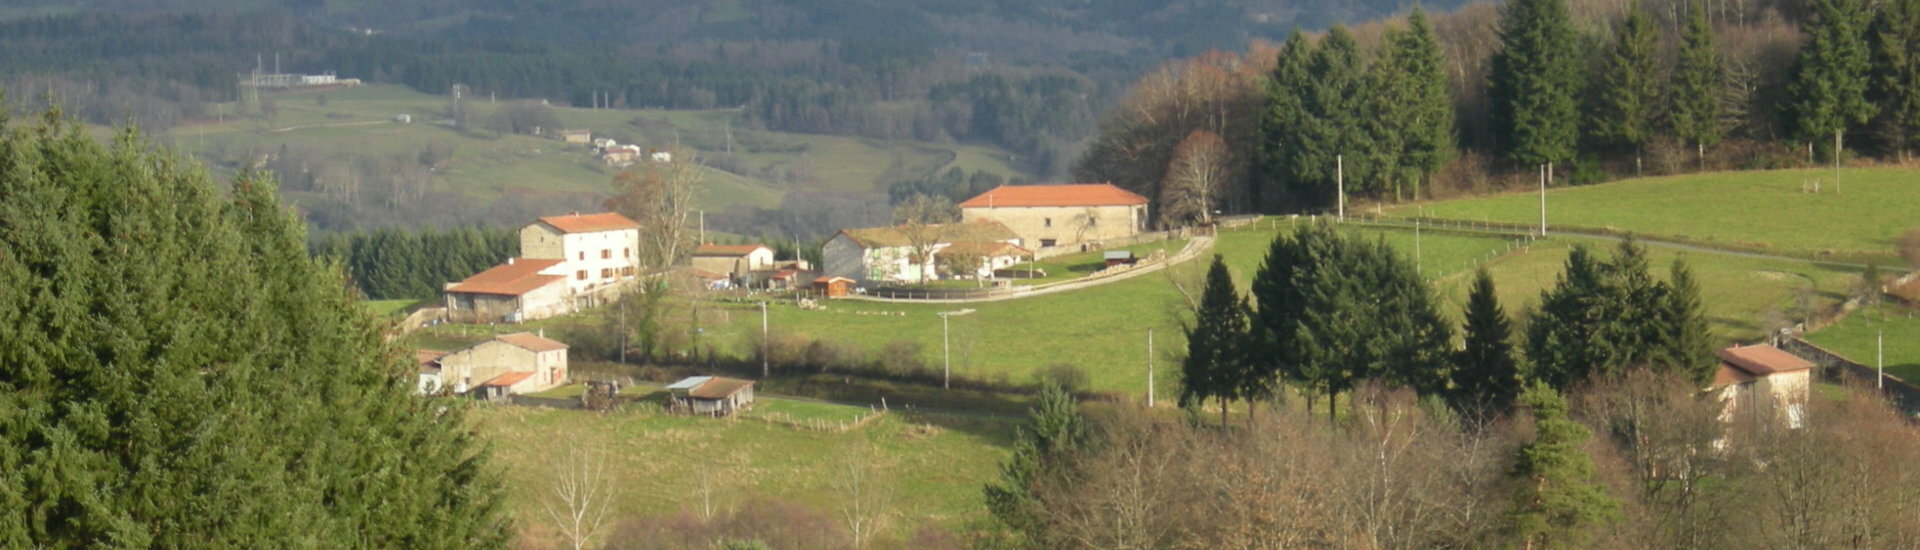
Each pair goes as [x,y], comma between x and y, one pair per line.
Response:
[1543,200]
[1418,266]
[703,226]
[764,370]
[622,306]
[1880,359]
[946,356]
[1340,183]
[1149,368]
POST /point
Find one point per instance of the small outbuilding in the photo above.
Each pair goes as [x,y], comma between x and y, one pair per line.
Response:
[1764,383]
[1119,257]
[833,286]
[710,395]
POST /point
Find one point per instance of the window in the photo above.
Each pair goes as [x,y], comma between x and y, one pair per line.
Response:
[583,254]
[1046,243]
[606,253]
[581,274]
[1048,222]
[606,273]
[626,253]
[1092,221]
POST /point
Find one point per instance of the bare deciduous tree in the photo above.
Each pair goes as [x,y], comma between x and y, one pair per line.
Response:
[661,197]
[867,495]
[925,222]
[580,499]
[1194,179]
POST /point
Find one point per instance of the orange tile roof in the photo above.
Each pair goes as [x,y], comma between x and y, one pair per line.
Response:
[719,388]
[1078,194]
[726,249]
[531,341]
[1762,360]
[520,276]
[508,379]
[588,223]
[428,359]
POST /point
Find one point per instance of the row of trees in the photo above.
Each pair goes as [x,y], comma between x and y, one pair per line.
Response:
[1628,459]
[1329,311]
[1387,117]
[392,264]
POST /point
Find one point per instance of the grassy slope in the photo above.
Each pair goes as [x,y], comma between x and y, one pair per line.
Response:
[1855,338]
[1760,209]
[935,465]
[488,167]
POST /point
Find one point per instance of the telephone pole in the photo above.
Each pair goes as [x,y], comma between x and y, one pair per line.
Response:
[765,371]
[1340,183]
[1543,200]
[1149,368]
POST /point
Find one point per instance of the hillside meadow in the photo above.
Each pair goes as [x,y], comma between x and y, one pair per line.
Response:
[1857,218]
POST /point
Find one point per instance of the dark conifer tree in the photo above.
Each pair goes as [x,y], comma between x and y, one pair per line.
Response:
[1429,141]
[1571,334]
[1829,87]
[1627,91]
[1486,376]
[175,372]
[1536,75]
[1698,80]
[1283,161]
[1684,345]
[1214,365]
[1896,61]
[1557,503]
[1054,432]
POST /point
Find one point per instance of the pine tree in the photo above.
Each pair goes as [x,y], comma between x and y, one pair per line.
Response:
[1411,133]
[1055,431]
[1558,502]
[1697,82]
[1896,60]
[1572,333]
[1486,377]
[176,372]
[1213,367]
[1829,84]
[1627,92]
[1685,345]
[1282,126]
[1335,101]
[1536,75]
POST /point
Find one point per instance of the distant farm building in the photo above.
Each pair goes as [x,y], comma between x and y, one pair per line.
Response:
[833,287]
[582,137]
[508,364]
[294,80]
[1046,216]
[710,395]
[1763,384]
[566,263]
[887,255]
[739,262]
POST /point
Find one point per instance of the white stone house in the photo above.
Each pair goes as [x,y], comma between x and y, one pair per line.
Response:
[566,263]
[1762,384]
[886,255]
[1046,216]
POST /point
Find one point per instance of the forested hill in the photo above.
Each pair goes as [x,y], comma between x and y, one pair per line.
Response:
[1028,75]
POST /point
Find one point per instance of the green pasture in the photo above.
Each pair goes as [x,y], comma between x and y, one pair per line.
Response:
[1858,213]
[1859,336]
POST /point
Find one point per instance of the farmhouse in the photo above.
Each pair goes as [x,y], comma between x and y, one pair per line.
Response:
[521,362]
[737,261]
[887,254]
[1046,216]
[567,263]
[576,136]
[710,395]
[1763,383]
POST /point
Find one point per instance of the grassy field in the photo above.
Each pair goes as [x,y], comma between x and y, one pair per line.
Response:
[1073,266]
[1855,338]
[388,308]
[1861,216]
[934,466]
[360,121]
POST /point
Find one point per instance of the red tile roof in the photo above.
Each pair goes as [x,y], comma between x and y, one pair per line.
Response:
[727,249]
[719,388]
[530,341]
[1762,360]
[428,359]
[1078,194]
[589,223]
[508,379]
[520,276]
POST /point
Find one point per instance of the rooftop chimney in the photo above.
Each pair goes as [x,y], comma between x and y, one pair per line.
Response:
[509,260]
[576,213]
[543,333]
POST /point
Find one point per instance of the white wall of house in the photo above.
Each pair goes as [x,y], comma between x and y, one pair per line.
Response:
[590,260]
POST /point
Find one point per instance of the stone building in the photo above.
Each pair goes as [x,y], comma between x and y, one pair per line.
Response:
[1761,383]
[566,263]
[1046,216]
[522,362]
[737,261]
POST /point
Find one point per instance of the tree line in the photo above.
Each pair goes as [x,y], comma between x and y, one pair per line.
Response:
[394,264]
[1485,97]
[1328,311]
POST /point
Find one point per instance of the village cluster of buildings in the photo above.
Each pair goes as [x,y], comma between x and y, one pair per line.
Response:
[612,152]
